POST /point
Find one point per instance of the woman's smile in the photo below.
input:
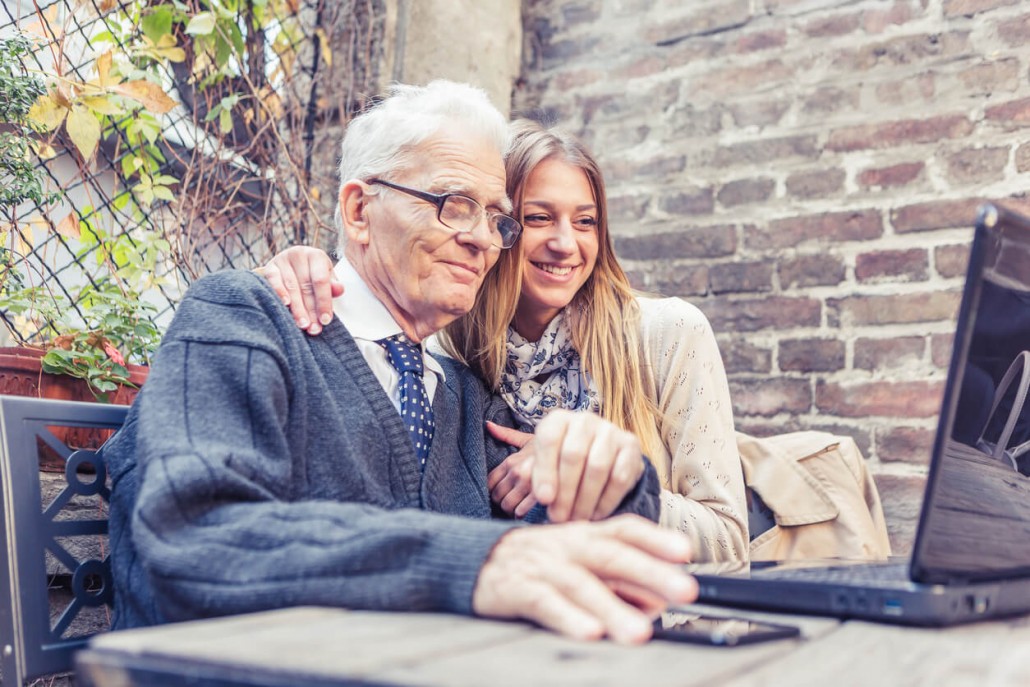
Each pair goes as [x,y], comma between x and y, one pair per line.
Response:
[554,270]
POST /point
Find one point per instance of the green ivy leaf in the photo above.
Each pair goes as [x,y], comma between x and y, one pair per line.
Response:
[225,121]
[157,23]
[202,24]
[237,38]
[163,193]
[223,51]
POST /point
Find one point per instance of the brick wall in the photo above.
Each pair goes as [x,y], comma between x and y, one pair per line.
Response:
[806,172]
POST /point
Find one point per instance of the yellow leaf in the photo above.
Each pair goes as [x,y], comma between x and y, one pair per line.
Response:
[23,247]
[274,103]
[31,228]
[169,49]
[84,130]
[61,96]
[69,226]
[166,48]
[101,104]
[104,69]
[323,42]
[150,95]
[44,150]
[47,113]
[107,5]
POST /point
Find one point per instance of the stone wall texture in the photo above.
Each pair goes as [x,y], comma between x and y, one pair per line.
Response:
[463,40]
[807,173]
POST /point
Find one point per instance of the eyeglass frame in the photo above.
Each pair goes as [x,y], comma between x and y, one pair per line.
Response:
[440,199]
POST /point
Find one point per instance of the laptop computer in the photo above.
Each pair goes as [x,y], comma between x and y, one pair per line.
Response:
[971,558]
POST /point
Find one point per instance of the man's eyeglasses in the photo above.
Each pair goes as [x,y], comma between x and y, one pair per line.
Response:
[463,214]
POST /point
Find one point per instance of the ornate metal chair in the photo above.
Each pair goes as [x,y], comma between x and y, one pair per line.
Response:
[54,545]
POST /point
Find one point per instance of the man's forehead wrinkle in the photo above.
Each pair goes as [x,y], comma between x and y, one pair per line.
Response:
[484,186]
[447,182]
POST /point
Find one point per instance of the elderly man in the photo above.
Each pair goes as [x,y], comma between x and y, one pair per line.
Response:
[262,468]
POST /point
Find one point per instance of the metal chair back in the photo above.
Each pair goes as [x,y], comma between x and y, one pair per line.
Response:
[54,542]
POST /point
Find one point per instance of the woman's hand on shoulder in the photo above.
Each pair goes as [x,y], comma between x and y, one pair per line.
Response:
[303,278]
[511,482]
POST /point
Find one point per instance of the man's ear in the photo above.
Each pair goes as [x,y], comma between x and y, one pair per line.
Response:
[353,208]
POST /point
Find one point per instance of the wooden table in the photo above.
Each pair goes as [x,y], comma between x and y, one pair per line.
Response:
[312,647]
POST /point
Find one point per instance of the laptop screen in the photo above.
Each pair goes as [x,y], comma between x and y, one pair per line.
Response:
[975,523]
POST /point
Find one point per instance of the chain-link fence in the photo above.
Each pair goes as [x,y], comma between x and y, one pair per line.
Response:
[171,138]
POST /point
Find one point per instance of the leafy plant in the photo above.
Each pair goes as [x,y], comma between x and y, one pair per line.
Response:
[92,331]
[107,324]
[20,179]
[189,129]
[92,349]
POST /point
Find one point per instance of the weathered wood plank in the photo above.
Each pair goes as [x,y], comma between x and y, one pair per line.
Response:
[428,649]
[320,646]
[859,654]
[542,658]
[314,641]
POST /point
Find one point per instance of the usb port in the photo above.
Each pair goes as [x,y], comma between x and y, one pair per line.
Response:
[891,607]
[977,603]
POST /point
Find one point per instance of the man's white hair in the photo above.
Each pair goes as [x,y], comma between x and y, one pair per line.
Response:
[380,140]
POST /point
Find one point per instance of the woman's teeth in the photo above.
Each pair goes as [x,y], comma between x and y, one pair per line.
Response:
[560,270]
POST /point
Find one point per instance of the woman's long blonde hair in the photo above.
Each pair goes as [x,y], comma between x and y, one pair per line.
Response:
[605,318]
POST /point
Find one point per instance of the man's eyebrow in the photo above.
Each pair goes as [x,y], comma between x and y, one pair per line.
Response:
[503,205]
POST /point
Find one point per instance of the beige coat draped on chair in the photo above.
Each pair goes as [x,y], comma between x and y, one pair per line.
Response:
[823,500]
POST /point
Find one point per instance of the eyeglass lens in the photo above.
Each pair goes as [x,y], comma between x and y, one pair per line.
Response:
[462,214]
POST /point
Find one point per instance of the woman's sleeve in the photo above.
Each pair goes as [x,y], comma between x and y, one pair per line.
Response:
[704,492]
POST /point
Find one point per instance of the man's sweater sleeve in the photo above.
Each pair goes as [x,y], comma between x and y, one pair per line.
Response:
[224,522]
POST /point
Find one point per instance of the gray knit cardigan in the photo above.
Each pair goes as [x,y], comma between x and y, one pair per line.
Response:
[261,468]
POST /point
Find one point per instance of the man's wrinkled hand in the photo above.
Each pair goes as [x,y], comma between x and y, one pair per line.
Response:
[587,579]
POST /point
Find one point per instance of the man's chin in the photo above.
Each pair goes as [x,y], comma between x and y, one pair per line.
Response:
[456,309]
[446,310]
[458,299]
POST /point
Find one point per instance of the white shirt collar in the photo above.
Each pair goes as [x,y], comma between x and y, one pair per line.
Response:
[364,315]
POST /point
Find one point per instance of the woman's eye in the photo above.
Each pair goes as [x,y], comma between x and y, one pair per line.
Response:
[586,222]
[536,219]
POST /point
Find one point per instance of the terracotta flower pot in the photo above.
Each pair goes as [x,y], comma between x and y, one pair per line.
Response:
[21,374]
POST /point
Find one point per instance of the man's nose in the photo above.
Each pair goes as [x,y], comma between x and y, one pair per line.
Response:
[481,235]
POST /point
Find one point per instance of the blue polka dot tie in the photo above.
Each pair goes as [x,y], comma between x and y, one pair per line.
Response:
[416,410]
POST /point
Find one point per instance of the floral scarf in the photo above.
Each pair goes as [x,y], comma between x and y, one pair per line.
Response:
[546,374]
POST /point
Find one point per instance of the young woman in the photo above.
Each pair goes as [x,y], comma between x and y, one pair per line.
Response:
[557,325]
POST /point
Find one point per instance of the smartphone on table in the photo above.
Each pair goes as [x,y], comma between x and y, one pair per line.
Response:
[679,626]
